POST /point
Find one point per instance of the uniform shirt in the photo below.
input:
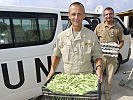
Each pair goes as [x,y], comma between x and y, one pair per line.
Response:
[106,34]
[77,52]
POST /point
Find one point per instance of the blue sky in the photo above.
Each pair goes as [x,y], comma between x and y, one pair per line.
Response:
[118,5]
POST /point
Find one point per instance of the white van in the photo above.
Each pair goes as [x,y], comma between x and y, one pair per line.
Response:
[27,39]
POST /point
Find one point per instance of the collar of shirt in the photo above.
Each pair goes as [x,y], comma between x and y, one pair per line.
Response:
[106,25]
[79,36]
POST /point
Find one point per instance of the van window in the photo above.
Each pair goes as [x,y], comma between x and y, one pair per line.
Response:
[88,22]
[20,29]
[5,32]
[122,26]
[47,28]
[23,29]
[65,22]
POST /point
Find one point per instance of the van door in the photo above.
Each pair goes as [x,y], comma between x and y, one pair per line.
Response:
[125,51]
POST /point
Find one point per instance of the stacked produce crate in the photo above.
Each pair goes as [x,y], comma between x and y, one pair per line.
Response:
[110,49]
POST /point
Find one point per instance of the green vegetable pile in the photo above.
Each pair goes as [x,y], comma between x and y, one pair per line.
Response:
[73,84]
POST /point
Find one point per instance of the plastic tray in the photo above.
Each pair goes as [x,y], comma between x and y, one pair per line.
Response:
[91,95]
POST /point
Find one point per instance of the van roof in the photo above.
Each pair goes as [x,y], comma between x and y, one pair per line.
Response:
[28,9]
[41,10]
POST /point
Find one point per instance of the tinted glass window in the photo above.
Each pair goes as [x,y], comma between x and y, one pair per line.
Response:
[5,32]
[25,30]
[47,28]
[19,29]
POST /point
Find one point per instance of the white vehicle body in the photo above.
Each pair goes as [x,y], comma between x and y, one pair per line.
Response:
[25,63]
[125,51]
[32,61]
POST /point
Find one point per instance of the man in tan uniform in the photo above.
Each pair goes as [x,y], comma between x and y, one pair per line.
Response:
[109,31]
[77,45]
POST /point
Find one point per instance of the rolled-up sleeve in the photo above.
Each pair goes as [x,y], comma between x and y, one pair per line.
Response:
[57,51]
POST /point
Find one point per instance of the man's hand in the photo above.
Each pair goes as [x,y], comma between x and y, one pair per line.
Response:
[55,61]
[51,73]
[99,73]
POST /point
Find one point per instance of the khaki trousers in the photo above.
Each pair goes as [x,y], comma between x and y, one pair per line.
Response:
[109,66]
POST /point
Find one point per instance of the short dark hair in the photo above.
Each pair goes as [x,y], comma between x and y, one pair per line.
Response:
[109,8]
[77,3]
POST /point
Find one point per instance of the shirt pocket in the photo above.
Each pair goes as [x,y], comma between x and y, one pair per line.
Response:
[86,50]
[102,36]
[102,33]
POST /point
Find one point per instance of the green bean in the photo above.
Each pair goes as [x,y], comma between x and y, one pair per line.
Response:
[74,84]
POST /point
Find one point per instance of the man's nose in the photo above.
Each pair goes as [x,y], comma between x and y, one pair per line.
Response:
[76,16]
